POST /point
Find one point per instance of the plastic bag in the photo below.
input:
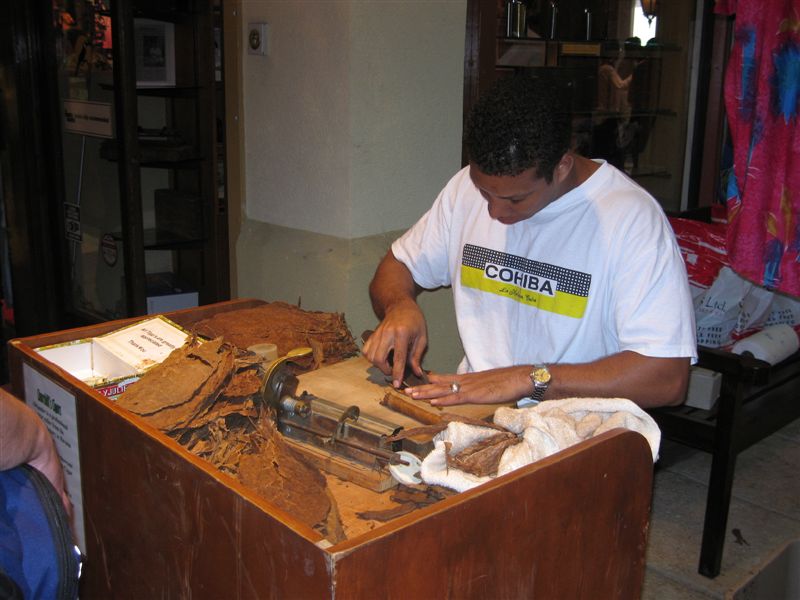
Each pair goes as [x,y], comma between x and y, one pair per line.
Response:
[733,308]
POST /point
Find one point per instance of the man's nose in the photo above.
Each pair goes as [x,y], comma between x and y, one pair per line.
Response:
[495,207]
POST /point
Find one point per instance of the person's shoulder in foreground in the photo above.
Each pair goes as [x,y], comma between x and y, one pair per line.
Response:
[37,556]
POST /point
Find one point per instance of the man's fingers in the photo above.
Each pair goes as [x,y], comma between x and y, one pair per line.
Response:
[377,352]
[415,356]
[443,390]
[451,396]
[399,365]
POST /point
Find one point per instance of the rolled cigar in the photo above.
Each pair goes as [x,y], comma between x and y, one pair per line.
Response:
[398,403]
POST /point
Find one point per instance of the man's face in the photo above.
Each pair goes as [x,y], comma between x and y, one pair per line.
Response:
[514,198]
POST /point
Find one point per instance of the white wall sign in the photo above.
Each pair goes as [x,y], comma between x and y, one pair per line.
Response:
[88,118]
[58,409]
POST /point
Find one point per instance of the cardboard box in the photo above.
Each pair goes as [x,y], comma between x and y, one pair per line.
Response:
[704,388]
[111,362]
[160,522]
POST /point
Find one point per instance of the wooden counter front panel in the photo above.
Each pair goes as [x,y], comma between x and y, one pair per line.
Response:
[571,526]
[160,525]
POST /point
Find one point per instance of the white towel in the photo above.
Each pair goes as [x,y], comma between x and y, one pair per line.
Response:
[545,429]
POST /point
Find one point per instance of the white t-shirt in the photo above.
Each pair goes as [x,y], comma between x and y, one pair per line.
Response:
[594,273]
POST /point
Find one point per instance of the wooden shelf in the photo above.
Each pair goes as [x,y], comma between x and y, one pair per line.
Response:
[167,240]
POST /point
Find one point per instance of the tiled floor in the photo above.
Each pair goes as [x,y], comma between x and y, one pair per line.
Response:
[765,510]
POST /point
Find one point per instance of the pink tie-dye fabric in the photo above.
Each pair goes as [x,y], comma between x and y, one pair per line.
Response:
[762,99]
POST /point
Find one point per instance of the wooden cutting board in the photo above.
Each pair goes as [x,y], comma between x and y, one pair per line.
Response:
[356,382]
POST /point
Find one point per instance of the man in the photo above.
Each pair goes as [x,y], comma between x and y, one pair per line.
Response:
[24,438]
[566,276]
[37,556]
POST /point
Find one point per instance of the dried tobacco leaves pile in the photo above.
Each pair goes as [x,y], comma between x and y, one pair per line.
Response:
[287,327]
[207,397]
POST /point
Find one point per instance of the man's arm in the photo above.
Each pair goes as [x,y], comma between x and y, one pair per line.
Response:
[402,330]
[648,381]
[25,439]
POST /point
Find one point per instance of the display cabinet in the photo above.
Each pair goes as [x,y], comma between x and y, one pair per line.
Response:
[145,210]
[637,102]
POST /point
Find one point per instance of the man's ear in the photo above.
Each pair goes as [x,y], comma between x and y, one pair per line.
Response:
[564,167]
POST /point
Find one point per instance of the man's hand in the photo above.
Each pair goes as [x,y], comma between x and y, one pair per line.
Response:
[403,335]
[46,460]
[496,386]
[648,381]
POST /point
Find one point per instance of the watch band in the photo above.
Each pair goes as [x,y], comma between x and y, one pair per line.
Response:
[540,377]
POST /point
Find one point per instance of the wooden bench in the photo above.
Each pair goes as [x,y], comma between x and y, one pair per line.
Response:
[756,400]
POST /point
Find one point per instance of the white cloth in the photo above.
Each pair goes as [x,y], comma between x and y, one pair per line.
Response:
[545,429]
[594,273]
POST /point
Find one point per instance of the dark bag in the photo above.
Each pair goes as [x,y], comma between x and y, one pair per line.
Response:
[37,556]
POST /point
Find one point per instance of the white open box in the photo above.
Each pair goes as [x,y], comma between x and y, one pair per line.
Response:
[111,362]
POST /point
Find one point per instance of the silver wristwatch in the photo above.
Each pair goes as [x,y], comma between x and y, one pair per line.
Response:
[540,378]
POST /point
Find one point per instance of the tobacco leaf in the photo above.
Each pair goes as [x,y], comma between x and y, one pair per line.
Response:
[420,495]
[432,430]
[221,441]
[427,430]
[181,416]
[387,514]
[173,382]
[470,421]
[408,499]
[244,383]
[278,474]
[237,397]
[482,458]
[223,408]
[223,446]
[287,327]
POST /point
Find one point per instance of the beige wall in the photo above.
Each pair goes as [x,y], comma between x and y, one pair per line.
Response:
[348,130]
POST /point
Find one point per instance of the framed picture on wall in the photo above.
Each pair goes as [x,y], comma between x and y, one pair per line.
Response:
[155,53]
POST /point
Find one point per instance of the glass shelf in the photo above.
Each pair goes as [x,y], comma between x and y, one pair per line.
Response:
[182,91]
[155,239]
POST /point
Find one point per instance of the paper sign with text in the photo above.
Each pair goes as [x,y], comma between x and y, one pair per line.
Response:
[58,409]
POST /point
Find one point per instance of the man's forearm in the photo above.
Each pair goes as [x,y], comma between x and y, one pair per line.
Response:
[392,284]
[648,381]
[22,433]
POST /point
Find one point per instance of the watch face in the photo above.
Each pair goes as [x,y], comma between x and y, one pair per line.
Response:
[541,375]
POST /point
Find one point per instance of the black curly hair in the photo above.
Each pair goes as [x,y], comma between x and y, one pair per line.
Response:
[519,123]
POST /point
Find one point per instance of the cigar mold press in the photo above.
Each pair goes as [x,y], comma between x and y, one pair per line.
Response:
[335,430]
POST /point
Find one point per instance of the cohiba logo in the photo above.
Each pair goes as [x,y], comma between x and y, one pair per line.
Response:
[521,279]
[545,286]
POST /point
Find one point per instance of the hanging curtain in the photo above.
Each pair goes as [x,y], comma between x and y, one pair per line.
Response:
[762,99]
